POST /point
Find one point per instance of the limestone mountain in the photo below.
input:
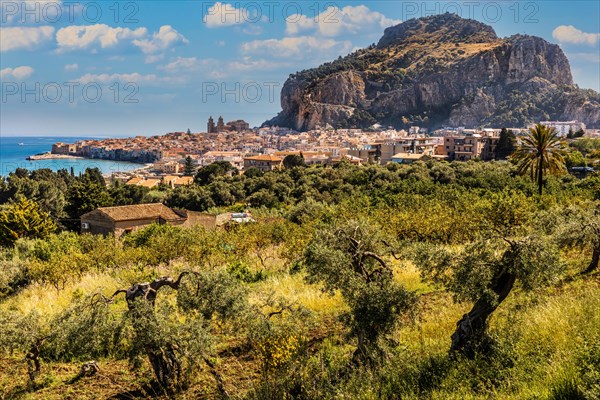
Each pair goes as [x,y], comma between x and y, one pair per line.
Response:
[436,71]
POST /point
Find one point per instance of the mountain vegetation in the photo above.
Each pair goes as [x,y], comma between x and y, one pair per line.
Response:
[437,71]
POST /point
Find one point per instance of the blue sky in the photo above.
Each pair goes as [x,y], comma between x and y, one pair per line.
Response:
[150,67]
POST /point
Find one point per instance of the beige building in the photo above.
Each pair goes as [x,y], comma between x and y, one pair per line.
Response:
[264,162]
[126,219]
[409,158]
[238,125]
[465,148]
[63,148]
[385,151]
[167,167]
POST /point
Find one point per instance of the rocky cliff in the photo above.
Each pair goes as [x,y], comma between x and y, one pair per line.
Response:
[437,71]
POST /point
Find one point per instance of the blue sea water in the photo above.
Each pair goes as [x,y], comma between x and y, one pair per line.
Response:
[15,149]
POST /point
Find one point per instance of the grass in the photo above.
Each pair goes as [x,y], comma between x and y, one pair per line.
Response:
[48,301]
[293,288]
[542,339]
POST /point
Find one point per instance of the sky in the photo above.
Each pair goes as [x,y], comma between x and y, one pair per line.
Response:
[125,68]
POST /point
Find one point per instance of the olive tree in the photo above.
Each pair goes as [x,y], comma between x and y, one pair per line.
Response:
[580,226]
[349,257]
[84,329]
[24,334]
[504,253]
[173,347]
[485,272]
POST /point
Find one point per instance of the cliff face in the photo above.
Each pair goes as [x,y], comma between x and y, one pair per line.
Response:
[440,70]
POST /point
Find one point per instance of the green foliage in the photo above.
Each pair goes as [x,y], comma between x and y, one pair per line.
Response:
[19,331]
[246,312]
[207,174]
[471,272]
[43,186]
[241,272]
[23,219]
[507,144]
[189,167]
[347,257]
[212,295]
[540,153]
[123,195]
[14,275]
[293,160]
[86,194]
[574,159]
[86,329]
[57,259]
[191,198]
[586,145]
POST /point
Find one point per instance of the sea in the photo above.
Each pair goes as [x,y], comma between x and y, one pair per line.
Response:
[14,151]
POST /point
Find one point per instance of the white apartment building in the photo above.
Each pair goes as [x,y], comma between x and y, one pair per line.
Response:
[563,127]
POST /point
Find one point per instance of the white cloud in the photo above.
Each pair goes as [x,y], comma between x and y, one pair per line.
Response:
[225,14]
[253,30]
[165,38]
[335,21]
[301,46]
[190,68]
[83,37]
[182,64]
[315,37]
[110,78]
[570,34]
[152,58]
[15,38]
[19,73]
[248,64]
[101,36]
[72,67]
[135,77]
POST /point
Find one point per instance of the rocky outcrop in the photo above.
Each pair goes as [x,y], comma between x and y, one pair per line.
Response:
[449,27]
[439,70]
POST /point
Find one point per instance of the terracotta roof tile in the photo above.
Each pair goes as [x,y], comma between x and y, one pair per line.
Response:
[139,211]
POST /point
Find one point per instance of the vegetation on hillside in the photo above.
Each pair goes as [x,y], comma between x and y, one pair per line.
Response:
[431,280]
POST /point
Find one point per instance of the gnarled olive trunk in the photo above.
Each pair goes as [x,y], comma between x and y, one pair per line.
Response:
[470,331]
[595,259]
[162,356]
[34,365]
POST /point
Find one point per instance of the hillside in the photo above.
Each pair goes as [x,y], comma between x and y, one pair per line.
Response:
[436,71]
[354,282]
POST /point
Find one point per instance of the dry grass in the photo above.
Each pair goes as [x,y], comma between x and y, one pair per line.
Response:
[115,378]
[543,331]
[296,291]
[48,301]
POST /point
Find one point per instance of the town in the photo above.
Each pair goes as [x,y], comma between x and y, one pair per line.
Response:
[265,148]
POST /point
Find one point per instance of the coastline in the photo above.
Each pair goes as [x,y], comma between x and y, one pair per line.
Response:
[50,156]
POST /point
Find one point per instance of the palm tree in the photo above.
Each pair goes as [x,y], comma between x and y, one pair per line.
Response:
[539,153]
